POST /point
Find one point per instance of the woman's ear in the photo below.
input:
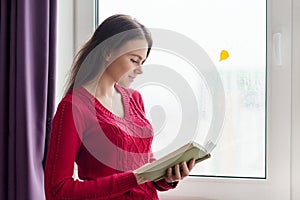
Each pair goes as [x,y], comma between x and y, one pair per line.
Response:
[107,55]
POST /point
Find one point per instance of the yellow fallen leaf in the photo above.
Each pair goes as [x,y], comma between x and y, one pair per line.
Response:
[224,55]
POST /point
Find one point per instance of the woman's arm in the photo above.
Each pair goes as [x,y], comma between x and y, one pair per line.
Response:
[64,145]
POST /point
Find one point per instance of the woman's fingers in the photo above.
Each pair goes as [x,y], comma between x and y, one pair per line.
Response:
[185,170]
[191,164]
[178,172]
[173,174]
[169,177]
[169,173]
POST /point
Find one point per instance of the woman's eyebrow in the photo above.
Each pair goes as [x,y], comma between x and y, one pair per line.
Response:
[140,57]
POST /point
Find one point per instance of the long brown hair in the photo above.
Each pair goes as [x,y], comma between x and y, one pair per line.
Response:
[110,27]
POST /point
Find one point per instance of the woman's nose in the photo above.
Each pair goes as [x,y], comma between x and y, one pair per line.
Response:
[138,70]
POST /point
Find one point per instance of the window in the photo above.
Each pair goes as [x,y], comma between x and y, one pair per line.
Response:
[215,26]
[277,181]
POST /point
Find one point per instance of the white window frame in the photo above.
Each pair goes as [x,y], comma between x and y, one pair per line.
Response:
[76,23]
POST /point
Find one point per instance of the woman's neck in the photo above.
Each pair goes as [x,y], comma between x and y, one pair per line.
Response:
[102,88]
[106,93]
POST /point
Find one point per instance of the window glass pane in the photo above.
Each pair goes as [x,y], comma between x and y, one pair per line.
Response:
[237,26]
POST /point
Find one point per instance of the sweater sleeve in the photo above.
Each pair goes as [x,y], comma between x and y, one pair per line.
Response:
[63,147]
[162,185]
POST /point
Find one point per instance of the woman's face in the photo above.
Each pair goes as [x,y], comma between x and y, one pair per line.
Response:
[127,66]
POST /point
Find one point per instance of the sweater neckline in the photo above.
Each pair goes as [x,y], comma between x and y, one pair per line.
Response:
[125,101]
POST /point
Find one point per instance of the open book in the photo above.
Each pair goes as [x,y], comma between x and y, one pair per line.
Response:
[156,170]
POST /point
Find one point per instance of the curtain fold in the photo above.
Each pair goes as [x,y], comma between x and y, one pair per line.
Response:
[27,80]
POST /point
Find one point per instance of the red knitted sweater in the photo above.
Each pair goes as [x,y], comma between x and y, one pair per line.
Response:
[105,147]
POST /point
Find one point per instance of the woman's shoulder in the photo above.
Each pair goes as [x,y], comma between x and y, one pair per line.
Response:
[77,97]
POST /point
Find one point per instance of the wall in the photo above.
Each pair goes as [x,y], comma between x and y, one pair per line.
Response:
[295,177]
[65,44]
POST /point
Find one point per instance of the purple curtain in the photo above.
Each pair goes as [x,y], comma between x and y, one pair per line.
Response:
[27,63]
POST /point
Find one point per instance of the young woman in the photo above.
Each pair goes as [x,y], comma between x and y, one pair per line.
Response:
[101,125]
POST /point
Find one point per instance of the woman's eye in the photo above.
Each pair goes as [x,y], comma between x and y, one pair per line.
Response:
[134,61]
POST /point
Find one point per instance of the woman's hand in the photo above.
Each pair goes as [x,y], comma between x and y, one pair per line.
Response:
[179,172]
[174,174]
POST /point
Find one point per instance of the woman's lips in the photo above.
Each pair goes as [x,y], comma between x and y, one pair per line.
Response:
[131,78]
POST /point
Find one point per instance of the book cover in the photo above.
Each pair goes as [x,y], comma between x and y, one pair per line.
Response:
[156,170]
